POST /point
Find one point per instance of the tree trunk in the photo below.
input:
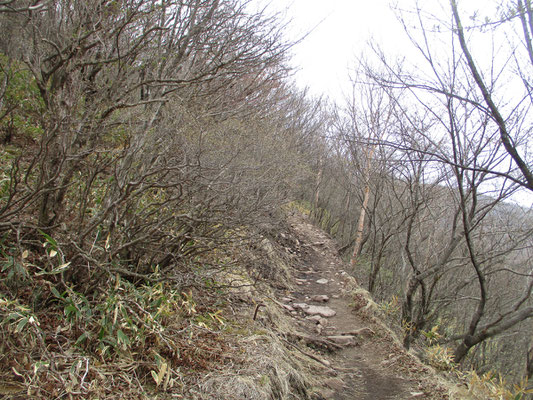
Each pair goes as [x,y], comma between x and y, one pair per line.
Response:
[360,227]
[376,266]
[529,368]
[316,213]
[462,350]
[362,214]
[317,183]
[345,214]
[407,311]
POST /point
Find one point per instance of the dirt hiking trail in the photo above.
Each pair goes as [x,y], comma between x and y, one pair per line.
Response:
[367,363]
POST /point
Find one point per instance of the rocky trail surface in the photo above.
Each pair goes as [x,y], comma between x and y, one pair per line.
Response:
[334,320]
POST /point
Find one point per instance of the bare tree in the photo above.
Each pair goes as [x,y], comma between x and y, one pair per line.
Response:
[472,143]
[367,118]
[126,169]
[509,131]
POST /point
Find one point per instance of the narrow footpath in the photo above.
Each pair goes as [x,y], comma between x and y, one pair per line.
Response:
[367,363]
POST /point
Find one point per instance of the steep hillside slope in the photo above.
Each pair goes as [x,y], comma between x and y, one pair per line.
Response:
[282,320]
[318,335]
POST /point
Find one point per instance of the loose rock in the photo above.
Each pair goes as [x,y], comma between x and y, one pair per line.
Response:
[301,306]
[320,310]
[322,281]
[320,298]
[343,340]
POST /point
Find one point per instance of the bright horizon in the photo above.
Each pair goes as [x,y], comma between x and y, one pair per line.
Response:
[339,31]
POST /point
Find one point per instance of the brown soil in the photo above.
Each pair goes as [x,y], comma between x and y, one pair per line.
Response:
[375,368]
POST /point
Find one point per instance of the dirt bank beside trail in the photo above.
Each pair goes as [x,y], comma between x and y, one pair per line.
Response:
[337,322]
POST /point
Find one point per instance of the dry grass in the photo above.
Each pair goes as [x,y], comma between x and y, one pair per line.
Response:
[131,341]
[130,350]
[271,371]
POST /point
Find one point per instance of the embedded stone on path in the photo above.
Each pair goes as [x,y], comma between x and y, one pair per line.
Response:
[323,311]
[343,340]
[301,306]
[286,299]
[319,320]
[322,281]
[320,298]
[326,312]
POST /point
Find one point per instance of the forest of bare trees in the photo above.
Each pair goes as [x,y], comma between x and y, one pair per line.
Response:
[140,110]
[143,141]
[426,163]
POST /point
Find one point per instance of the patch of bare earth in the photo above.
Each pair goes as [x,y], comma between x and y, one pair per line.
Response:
[366,361]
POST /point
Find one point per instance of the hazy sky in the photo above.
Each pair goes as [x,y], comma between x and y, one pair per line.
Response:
[342,29]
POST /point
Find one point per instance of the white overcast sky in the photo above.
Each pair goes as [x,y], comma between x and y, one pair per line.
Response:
[340,30]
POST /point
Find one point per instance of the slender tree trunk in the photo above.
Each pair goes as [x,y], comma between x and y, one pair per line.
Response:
[362,214]
[376,267]
[373,275]
[407,310]
[317,183]
[529,365]
[317,215]
[360,226]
